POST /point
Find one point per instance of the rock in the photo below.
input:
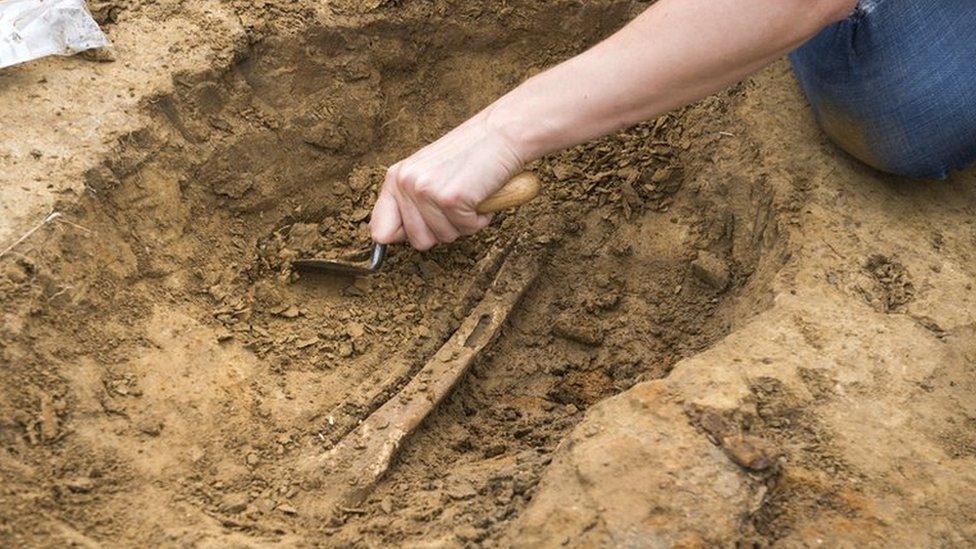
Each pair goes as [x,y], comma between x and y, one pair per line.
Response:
[289,312]
[468,533]
[711,269]
[522,482]
[326,136]
[749,452]
[13,272]
[386,505]
[578,330]
[462,490]
[353,291]
[253,459]
[264,505]
[99,55]
[233,503]
[355,330]
[495,450]
[48,419]
[150,426]
[80,485]
[287,509]
[562,171]
[645,476]
[661,175]
[359,215]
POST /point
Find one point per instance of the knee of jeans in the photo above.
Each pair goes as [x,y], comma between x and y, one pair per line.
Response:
[849,134]
[897,157]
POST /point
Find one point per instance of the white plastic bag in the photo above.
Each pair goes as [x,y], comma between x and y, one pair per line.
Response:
[30,29]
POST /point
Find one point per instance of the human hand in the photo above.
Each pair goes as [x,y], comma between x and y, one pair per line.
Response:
[430,197]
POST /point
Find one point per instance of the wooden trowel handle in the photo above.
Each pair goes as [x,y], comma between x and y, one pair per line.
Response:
[519,190]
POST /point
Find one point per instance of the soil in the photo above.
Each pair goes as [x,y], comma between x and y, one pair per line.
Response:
[165,371]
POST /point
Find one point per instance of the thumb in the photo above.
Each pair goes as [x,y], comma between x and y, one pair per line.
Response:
[385,225]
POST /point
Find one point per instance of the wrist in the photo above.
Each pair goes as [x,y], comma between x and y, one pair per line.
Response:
[511,119]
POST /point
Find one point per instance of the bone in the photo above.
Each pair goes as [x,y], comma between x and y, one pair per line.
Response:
[343,476]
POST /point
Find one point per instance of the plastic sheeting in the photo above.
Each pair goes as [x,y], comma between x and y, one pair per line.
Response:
[30,29]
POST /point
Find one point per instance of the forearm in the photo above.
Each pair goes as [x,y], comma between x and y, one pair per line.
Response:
[675,53]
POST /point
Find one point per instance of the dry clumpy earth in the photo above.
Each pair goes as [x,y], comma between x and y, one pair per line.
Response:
[734,334]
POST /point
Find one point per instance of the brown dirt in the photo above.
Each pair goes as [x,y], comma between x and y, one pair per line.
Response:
[164,370]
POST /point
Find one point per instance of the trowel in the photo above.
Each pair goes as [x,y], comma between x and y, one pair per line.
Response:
[520,189]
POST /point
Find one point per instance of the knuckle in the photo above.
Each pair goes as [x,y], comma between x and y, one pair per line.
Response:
[392,174]
[425,188]
[450,199]
[406,180]
[421,240]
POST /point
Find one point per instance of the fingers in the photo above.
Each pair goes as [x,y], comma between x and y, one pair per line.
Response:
[421,212]
[424,220]
[438,222]
[470,224]
[385,225]
[414,226]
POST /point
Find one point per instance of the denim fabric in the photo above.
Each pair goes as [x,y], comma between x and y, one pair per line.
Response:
[895,84]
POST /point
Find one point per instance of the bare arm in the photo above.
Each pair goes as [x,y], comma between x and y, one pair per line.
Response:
[674,53]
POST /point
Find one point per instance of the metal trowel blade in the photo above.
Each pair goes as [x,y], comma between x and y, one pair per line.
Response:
[361,263]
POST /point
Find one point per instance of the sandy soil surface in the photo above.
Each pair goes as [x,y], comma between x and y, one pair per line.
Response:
[713,328]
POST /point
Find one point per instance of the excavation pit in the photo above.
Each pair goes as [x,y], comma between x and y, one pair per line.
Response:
[170,366]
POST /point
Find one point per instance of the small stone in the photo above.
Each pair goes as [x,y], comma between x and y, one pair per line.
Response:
[495,450]
[462,490]
[287,509]
[264,505]
[468,533]
[661,175]
[749,452]
[233,503]
[253,459]
[355,330]
[523,482]
[711,269]
[345,349]
[151,427]
[13,272]
[48,419]
[359,215]
[353,291]
[80,485]
[578,330]
[289,312]
[386,505]
[359,346]
[99,55]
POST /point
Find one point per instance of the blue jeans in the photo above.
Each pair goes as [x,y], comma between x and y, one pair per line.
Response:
[895,84]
